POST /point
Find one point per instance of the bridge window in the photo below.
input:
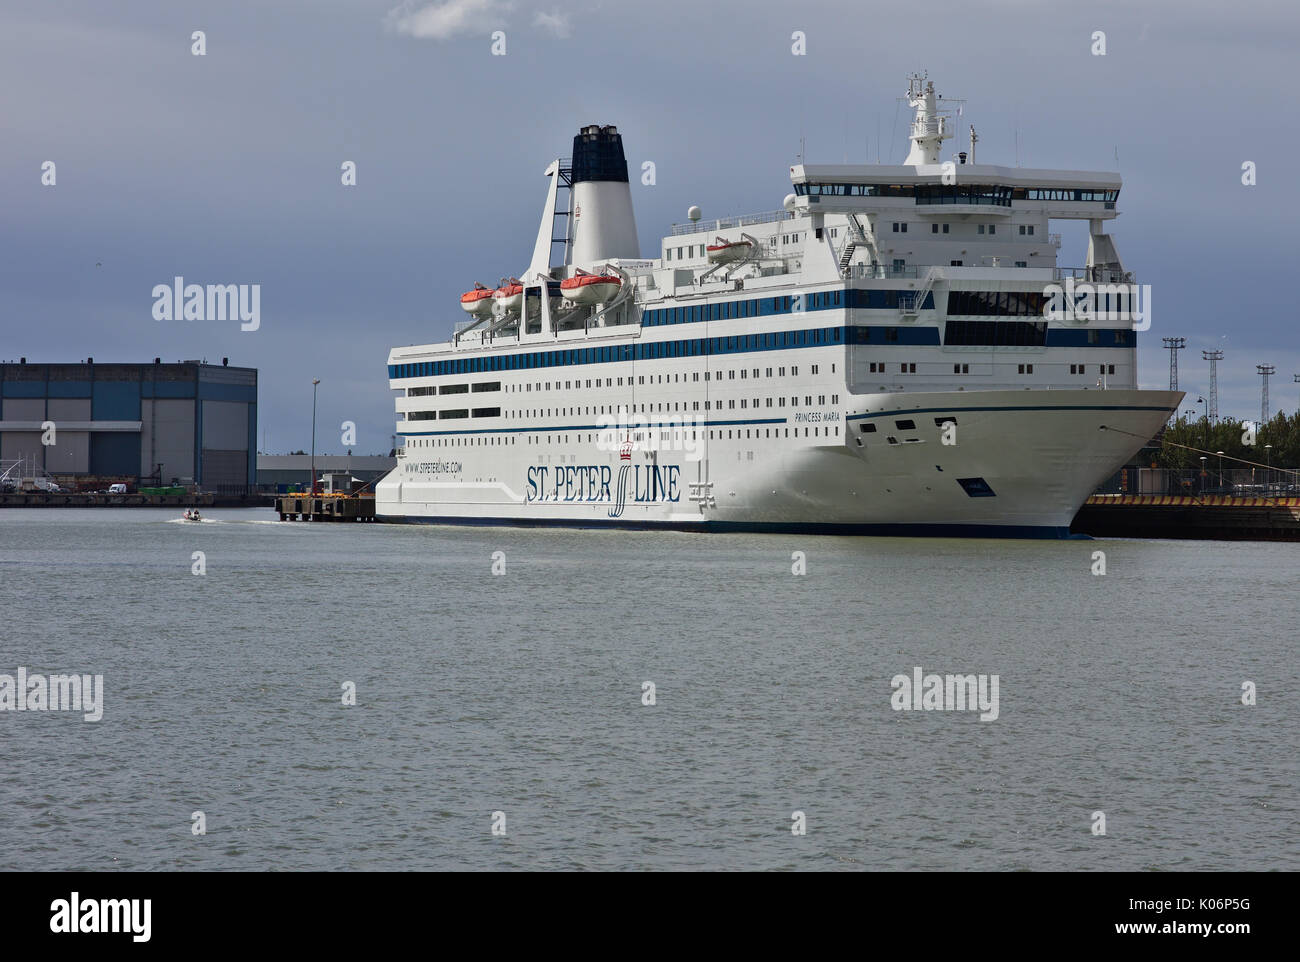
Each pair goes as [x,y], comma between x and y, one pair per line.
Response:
[997,303]
[996,333]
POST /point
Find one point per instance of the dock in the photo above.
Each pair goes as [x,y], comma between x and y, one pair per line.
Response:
[325,507]
[1208,517]
[89,499]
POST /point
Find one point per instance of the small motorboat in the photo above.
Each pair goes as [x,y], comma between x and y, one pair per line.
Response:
[192,515]
[585,288]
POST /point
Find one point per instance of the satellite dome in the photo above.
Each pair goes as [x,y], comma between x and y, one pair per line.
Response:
[788,203]
[693,213]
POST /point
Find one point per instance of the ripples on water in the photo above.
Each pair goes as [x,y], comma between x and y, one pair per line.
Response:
[522,694]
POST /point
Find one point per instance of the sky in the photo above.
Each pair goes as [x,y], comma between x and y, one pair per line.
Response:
[225,168]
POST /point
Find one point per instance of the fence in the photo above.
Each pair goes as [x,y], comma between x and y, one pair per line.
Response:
[1246,482]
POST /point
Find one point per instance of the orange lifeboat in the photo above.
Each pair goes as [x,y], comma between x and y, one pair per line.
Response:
[584,288]
[478,301]
[725,251]
[510,295]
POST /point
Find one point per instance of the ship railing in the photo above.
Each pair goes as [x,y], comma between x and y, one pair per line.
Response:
[1096,275]
[739,220]
[880,272]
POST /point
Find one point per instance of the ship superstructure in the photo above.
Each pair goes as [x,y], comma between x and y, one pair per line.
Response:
[893,350]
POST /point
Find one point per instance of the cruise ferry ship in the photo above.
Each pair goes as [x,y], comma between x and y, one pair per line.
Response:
[895,350]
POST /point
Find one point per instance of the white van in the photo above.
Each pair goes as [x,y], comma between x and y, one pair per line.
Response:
[117,489]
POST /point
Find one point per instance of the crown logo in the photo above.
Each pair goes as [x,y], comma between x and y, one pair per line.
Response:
[625,452]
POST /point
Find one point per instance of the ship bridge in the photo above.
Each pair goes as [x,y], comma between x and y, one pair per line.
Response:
[943,189]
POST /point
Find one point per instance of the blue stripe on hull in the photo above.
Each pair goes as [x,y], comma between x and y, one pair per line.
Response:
[1037,532]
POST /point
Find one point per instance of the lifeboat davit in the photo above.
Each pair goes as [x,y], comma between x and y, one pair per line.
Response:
[478,301]
[584,288]
[725,251]
[510,295]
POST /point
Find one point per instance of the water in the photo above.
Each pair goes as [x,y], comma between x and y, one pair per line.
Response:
[522,694]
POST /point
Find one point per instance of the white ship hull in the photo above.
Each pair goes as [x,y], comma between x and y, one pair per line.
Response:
[1021,465]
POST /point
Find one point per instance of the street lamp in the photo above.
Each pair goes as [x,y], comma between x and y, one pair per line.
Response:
[1268,464]
[314,381]
[1201,400]
[1220,454]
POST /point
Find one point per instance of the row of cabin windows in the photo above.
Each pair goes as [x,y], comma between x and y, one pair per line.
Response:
[879,367]
[679,377]
[651,408]
[992,229]
[869,299]
[732,434]
[657,407]
[874,367]
[484,441]
[690,251]
[904,367]
[954,194]
[752,307]
[454,414]
[454,389]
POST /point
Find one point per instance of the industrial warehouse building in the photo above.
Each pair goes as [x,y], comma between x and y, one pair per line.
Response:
[187,422]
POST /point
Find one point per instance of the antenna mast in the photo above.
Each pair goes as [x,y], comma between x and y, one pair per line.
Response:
[1264,371]
[1174,344]
[1213,357]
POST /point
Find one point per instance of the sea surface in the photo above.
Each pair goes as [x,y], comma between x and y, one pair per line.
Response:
[523,694]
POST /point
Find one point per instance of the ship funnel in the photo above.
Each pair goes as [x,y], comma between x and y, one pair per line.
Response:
[603,224]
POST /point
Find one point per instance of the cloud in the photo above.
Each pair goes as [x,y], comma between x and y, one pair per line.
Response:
[556,22]
[442,21]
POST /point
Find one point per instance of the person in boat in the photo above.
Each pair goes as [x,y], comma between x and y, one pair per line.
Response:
[195,515]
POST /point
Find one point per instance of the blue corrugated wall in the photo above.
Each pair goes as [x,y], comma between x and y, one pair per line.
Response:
[115,453]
